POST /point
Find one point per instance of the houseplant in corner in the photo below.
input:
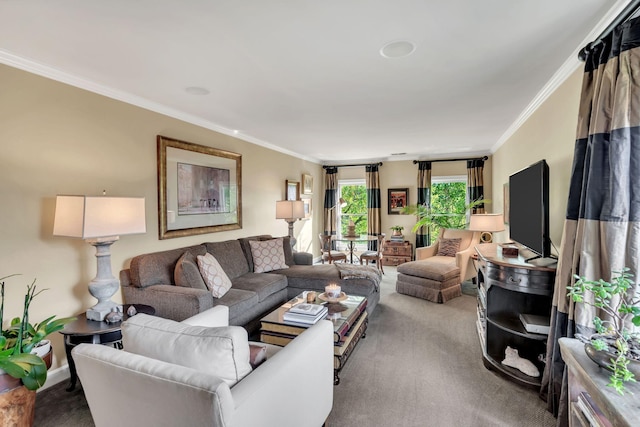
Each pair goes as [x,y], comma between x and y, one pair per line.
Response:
[613,346]
[428,217]
[21,371]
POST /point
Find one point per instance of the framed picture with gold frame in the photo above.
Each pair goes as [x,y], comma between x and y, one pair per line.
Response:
[292,190]
[199,189]
[307,184]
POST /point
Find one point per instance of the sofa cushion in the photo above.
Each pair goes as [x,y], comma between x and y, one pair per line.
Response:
[158,268]
[214,276]
[268,255]
[230,256]
[239,301]
[263,284]
[223,352]
[187,273]
[448,247]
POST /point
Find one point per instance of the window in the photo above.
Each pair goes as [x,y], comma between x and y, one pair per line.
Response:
[448,196]
[354,193]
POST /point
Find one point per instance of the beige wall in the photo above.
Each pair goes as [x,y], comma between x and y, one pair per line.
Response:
[404,174]
[57,139]
[548,134]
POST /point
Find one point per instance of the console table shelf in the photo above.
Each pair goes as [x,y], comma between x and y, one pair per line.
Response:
[508,287]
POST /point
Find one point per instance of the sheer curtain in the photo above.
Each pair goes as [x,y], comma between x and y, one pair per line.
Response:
[602,227]
[374,221]
[424,198]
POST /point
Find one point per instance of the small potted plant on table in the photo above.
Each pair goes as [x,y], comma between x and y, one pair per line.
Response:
[613,346]
[22,371]
[397,230]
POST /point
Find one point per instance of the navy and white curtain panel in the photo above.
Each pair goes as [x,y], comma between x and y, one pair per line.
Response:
[475,183]
[424,198]
[374,219]
[330,200]
[601,232]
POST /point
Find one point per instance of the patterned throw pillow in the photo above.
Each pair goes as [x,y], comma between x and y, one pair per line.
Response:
[214,276]
[268,255]
[448,247]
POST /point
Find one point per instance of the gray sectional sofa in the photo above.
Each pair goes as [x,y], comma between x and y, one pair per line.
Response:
[171,283]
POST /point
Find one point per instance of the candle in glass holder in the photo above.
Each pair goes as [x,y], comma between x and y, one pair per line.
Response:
[332,291]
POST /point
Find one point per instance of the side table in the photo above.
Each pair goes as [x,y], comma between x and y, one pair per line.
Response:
[83,330]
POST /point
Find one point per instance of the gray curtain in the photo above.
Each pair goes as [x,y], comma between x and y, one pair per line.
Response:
[330,200]
[424,198]
[374,219]
[475,183]
[602,227]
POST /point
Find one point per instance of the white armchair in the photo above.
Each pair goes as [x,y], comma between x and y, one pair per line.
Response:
[145,391]
[463,260]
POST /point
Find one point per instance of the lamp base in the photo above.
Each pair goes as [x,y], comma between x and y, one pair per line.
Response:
[99,311]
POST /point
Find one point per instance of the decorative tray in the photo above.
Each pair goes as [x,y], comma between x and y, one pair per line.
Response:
[324,297]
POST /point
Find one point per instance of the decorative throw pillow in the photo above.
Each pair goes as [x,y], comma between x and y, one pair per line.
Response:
[223,351]
[448,247]
[214,276]
[187,273]
[268,255]
[257,354]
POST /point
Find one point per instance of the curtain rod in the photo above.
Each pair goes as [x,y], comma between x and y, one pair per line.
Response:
[350,166]
[451,160]
[626,14]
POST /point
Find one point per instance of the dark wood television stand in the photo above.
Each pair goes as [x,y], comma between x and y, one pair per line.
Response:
[508,287]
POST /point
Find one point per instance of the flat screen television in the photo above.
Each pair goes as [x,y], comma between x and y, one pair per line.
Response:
[529,208]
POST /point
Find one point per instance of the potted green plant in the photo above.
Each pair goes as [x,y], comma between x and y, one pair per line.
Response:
[613,346]
[397,230]
[430,218]
[22,371]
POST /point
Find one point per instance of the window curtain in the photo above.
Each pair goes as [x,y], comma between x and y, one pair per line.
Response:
[330,200]
[475,183]
[374,221]
[424,198]
[602,227]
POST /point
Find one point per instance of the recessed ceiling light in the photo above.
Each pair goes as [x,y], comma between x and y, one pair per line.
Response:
[397,49]
[195,90]
[398,154]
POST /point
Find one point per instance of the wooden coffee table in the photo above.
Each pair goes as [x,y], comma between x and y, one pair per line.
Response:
[349,319]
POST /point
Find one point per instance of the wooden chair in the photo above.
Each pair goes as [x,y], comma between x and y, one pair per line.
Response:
[327,254]
[375,255]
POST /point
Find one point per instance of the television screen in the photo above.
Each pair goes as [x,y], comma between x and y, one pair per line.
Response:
[529,208]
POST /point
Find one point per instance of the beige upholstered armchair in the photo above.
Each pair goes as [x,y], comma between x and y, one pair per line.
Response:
[198,373]
[462,258]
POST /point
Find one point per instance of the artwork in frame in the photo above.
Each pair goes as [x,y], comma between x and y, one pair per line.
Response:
[307,208]
[199,189]
[307,184]
[398,198]
[292,190]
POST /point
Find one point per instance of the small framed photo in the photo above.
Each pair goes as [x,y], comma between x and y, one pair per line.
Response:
[307,208]
[307,184]
[398,198]
[292,190]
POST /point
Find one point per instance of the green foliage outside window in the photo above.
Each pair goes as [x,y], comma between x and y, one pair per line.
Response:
[355,210]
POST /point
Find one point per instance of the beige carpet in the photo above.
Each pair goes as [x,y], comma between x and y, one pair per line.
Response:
[421,365]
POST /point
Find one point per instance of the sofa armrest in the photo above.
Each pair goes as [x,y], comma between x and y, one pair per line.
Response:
[214,317]
[427,251]
[171,302]
[302,258]
[301,374]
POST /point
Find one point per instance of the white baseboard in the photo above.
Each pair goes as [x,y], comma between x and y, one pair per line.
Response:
[55,376]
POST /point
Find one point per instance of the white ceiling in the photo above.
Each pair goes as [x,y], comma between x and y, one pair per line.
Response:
[306,77]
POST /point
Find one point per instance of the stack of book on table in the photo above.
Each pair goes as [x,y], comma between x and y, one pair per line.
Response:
[305,313]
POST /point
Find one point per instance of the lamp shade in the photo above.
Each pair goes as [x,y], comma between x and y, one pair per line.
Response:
[486,222]
[289,209]
[90,217]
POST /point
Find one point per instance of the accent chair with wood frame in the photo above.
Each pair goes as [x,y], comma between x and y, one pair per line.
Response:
[327,253]
[375,255]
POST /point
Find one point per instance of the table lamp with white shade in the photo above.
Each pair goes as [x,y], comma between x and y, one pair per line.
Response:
[487,224]
[290,211]
[100,221]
